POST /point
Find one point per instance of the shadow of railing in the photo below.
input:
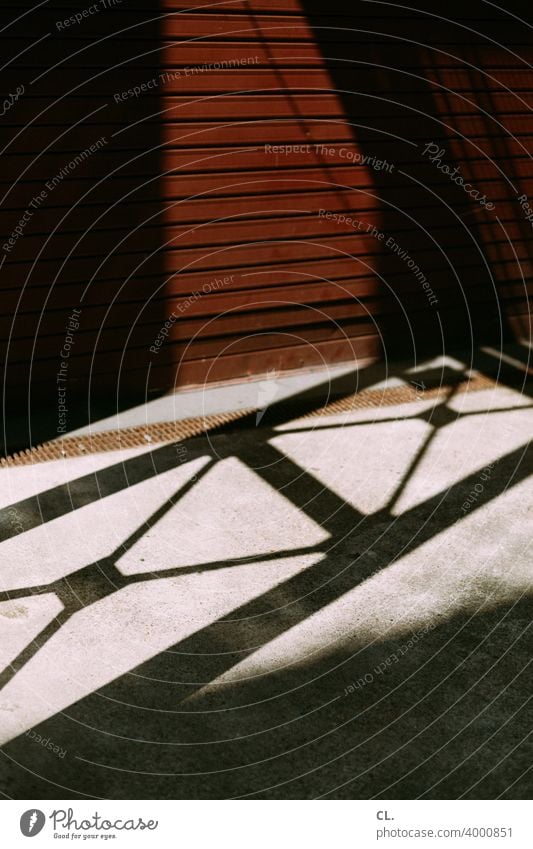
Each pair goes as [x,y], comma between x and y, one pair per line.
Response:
[107,716]
[357,546]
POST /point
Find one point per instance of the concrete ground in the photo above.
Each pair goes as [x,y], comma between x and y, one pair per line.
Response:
[332,606]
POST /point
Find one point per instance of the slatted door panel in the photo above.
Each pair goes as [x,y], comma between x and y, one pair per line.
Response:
[230,188]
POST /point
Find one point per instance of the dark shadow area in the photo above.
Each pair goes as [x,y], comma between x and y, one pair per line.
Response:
[82,214]
[425,87]
[451,719]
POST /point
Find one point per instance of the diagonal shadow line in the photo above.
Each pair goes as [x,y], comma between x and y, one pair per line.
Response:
[424,415]
[265,617]
[249,626]
[282,471]
[158,514]
[301,488]
[514,468]
[215,565]
[438,416]
[170,572]
[101,589]
[73,601]
[503,372]
[95,581]
[103,582]
[65,498]
[32,648]
[421,453]
[122,548]
[294,600]
[328,590]
[62,499]
[57,501]
[90,584]
[286,409]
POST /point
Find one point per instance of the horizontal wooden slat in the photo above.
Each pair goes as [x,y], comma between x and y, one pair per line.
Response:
[147,239]
[479,130]
[189,269]
[366,99]
[333,167]
[95,356]
[173,109]
[324,264]
[184,195]
[234,316]
[329,76]
[254,216]
[250,42]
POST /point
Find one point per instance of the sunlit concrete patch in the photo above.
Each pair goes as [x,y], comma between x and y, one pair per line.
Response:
[94,531]
[243,394]
[478,564]
[213,398]
[113,636]
[20,482]
[21,620]
[363,465]
[385,412]
[231,512]
[442,361]
[486,400]
[461,448]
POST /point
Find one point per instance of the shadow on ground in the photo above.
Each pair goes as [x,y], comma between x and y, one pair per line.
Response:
[302,711]
[451,719]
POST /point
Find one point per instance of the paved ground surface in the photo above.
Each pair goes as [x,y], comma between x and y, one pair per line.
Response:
[335,606]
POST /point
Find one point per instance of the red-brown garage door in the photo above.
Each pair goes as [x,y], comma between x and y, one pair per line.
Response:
[204,193]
